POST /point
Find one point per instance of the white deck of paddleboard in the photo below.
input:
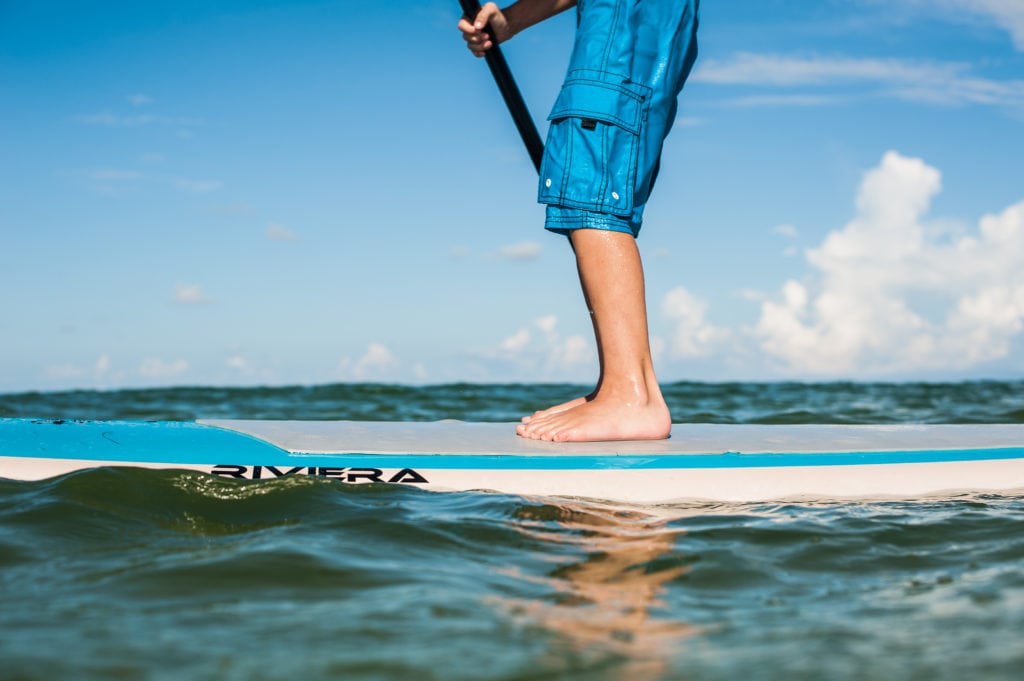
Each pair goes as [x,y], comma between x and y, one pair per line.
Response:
[744,462]
[699,462]
[462,438]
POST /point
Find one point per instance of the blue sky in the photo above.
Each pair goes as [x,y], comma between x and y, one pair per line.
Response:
[307,192]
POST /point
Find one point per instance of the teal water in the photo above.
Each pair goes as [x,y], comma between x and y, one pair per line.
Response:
[133,574]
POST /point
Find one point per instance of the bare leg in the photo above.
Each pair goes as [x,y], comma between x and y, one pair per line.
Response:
[627,404]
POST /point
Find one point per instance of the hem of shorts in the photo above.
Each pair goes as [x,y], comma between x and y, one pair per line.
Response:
[565,225]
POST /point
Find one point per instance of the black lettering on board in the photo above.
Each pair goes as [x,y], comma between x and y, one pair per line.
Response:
[282,474]
[407,475]
[228,471]
[364,474]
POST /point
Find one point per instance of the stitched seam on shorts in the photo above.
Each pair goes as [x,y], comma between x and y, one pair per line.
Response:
[611,36]
[606,171]
[584,216]
[589,222]
[604,115]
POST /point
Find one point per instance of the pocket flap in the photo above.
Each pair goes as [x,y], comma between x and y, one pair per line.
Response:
[610,99]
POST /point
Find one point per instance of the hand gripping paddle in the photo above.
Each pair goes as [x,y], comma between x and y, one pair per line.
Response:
[509,90]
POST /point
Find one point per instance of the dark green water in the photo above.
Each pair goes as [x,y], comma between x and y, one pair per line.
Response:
[131,574]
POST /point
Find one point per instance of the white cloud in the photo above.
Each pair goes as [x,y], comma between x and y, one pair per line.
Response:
[110,175]
[787,100]
[63,372]
[573,350]
[746,68]
[277,232]
[788,231]
[947,83]
[751,295]
[540,351]
[377,360]
[525,250]
[692,334]
[198,186]
[419,372]
[546,323]
[1007,13]
[102,366]
[153,367]
[111,120]
[890,297]
[517,341]
[237,362]
[190,294]
[139,99]
[657,348]
[113,182]
[72,374]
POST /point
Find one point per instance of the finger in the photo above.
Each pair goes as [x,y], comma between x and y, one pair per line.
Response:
[486,13]
[484,16]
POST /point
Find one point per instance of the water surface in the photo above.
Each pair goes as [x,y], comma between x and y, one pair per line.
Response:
[134,574]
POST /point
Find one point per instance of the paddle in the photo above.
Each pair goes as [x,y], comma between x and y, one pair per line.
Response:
[509,90]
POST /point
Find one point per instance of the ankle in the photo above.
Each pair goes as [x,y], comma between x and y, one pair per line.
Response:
[639,391]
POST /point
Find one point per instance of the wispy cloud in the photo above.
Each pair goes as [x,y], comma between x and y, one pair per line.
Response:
[110,175]
[190,294]
[112,182]
[198,186]
[525,250]
[688,121]
[112,120]
[786,230]
[945,83]
[156,368]
[1006,14]
[277,232]
[139,100]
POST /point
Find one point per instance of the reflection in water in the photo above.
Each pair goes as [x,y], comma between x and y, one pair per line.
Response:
[602,604]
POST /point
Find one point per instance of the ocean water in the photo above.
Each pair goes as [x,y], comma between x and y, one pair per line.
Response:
[133,574]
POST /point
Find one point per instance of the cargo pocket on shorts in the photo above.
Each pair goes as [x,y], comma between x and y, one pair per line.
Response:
[593,143]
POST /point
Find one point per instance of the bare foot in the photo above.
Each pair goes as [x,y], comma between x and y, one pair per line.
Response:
[600,419]
[540,413]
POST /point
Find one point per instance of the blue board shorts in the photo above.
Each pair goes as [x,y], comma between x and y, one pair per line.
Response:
[617,105]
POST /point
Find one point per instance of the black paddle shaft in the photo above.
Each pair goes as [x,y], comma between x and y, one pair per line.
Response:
[509,90]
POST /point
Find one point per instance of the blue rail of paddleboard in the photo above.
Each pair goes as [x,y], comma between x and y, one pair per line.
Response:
[675,461]
[173,442]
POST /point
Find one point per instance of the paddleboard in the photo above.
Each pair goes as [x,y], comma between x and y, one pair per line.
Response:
[699,461]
